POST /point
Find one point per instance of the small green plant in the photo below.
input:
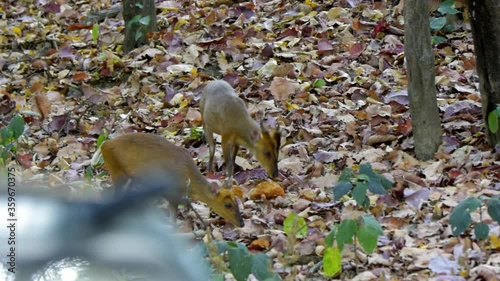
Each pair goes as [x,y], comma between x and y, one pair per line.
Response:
[442,21]
[242,263]
[143,23]
[319,83]
[95,169]
[295,228]
[95,32]
[365,230]
[357,183]
[460,218]
[195,133]
[493,117]
[8,138]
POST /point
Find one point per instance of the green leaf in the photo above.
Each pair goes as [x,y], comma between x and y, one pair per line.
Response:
[134,20]
[438,39]
[240,261]
[332,261]
[330,238]
[341,189]
[101,139]
[470,204]
[95,32]
[494,209]
[481,231]
[139,5]
[261,265]
[346,175]
[498,110]
[318,83]
[371,221]
[437,23]
[368,237]
[376,187]
[448,8]
[102,56]
[16,126]
[295,225]
[367,169]
[196,133]
[493,121]
[223,245]
[484,197]
[363,177]
[138,35]
[89,175]
[459,219]
[387,184]
[145,20]
[377,183]
[5,136]
[346,231]
[359,193]
[10,147]
[218,277]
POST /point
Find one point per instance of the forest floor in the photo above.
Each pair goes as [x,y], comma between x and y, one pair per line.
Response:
[330,73]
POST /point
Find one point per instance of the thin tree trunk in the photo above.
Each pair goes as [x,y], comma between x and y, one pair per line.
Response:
[420,61]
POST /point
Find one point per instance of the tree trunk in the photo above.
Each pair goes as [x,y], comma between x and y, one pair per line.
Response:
[140,18]
[485,20]
[420,61]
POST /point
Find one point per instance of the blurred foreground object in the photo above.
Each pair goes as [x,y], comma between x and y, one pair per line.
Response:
[122,238]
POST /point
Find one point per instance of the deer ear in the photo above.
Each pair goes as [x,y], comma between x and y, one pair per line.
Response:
[263,128]
[277,139]
[214,187]
[255,134]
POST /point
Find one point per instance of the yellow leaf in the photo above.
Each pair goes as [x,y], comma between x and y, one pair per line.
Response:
[3,39]
[183,104]
[270,35]
[180,23]
[495,242]
[332,261]
[334,13]
[169,9]
[437,209]
[194,71]
[30,36]
[17,31]
[311,3]
[291,106]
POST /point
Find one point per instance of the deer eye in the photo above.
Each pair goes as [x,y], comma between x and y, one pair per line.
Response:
[228,205]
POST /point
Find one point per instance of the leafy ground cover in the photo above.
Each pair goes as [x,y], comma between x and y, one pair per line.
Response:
[331,73]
